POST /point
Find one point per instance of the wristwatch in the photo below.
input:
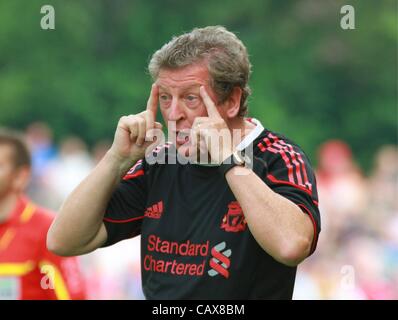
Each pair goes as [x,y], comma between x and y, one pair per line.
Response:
[235,159]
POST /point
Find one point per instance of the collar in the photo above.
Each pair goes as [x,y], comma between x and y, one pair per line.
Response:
[22,212]
[252,135]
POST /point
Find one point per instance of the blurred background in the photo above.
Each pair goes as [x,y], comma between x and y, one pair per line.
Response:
[332,91]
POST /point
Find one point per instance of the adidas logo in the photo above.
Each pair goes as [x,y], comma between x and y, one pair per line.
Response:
[155,211]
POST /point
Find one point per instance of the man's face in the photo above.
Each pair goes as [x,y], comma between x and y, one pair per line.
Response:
[179,98]
[7,170]
[12,179]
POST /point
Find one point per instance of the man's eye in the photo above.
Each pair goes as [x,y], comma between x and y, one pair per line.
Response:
[164,100]
[191,98]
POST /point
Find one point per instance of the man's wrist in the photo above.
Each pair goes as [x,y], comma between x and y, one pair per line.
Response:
[120,164]
[235,159]
[237,171]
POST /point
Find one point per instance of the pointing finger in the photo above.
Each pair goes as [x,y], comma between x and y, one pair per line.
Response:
[210,106]
[152,103]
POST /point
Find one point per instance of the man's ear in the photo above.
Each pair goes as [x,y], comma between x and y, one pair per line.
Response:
[21,180]
[233,103]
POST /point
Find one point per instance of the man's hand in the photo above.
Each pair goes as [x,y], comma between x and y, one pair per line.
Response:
[131,136]
[212,133]
[74,233]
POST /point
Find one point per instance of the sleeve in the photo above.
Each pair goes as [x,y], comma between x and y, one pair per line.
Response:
[126,208]
[286,170]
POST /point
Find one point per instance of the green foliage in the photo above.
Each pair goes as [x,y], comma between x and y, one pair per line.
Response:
[311,80]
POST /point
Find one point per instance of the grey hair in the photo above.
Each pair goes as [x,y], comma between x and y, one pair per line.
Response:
[226,56]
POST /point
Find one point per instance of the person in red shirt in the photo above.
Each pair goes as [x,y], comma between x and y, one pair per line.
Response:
[27,269]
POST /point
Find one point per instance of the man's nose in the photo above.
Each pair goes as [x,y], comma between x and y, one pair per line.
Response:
[176,110]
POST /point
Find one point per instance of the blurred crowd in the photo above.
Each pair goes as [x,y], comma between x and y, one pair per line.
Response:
[357,252]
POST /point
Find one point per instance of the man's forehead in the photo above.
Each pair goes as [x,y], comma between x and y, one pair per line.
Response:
[192,76]
[181,86]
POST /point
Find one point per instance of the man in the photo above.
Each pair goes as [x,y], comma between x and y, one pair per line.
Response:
[229,230]
[27,269]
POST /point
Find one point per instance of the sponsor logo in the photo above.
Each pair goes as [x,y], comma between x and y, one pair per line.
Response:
[155,211]
[220,261]
[186,258]
[234,220]
[175,249]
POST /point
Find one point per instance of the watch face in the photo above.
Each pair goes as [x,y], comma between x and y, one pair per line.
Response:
[243,159]
[239,159]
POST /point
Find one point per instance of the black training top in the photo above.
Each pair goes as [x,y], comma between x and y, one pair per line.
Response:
[195,243]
